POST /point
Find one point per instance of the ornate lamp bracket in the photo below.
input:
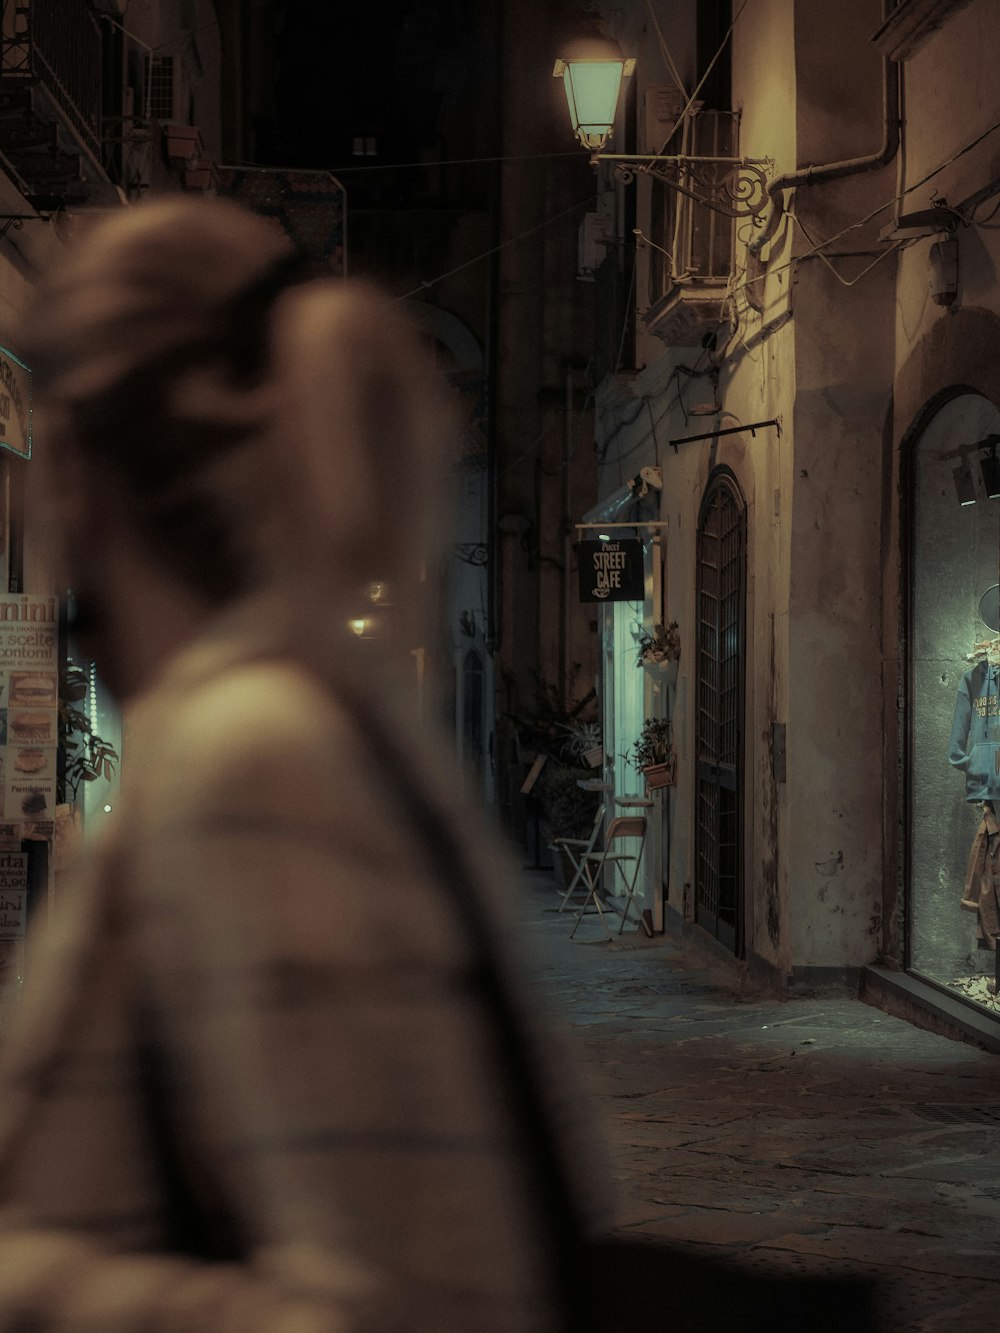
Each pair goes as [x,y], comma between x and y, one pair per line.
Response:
[736,187]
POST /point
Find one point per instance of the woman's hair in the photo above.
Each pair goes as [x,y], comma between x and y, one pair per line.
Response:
[259,429]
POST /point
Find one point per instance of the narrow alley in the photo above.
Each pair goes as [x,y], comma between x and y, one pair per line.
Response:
[816,1134]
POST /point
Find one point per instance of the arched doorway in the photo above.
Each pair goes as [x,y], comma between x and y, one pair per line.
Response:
[721,648]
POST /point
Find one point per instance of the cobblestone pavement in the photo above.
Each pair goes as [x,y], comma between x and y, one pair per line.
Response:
[816,1134]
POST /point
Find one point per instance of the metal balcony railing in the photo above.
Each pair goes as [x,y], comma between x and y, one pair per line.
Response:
[57,47]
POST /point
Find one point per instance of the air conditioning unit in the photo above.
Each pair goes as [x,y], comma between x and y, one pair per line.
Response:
[165,90]
[595,235]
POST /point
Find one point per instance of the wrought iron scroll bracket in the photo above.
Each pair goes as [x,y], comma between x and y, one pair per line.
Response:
[15,221]
[736,187]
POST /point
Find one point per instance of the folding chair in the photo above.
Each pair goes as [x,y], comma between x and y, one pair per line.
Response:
[576,849]
[593,864]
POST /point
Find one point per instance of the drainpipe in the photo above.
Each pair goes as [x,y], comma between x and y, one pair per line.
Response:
[850,166]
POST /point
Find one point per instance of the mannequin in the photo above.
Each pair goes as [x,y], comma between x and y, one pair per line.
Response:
[975,750]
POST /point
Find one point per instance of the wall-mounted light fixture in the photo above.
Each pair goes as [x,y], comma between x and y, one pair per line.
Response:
[593,70]
[990,469]
[963,474]
[965,486]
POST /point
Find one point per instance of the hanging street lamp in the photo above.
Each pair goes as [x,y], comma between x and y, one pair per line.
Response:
[592,71]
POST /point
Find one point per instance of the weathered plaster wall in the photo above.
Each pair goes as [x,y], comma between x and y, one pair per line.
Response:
[951,98]
[839,108]
[759,384]
[842,351]
[835,773]
[819,356]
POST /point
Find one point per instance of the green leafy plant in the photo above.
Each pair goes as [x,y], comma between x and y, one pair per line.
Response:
[654,744]
[583,736]
[83,755]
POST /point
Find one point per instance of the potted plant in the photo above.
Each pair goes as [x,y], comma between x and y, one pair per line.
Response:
[653,753]
[661,649]
[84,756]
[584,743]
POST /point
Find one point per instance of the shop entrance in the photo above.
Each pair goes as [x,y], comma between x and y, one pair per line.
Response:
[721,600]
[953,733]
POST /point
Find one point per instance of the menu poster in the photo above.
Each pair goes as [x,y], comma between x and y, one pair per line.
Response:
[13,895]
[29,714]
[13,926]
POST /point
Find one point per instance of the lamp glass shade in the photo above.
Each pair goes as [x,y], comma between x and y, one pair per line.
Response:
[592,88]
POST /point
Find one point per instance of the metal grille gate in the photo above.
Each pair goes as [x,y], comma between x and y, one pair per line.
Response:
[719,739]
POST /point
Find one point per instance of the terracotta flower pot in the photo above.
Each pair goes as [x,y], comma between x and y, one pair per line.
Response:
[659,775]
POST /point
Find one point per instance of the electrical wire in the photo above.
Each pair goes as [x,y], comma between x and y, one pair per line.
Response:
[628,313]
[868,217]
[453,162]
[495,249]
[847,282]
[665,51]
[986,222]
[702,81]
[697,371]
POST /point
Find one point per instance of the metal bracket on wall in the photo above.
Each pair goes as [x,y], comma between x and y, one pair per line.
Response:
[17,221]
[753,427]
[736,187]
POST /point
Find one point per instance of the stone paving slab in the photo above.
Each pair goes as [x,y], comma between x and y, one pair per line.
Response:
[807,1134]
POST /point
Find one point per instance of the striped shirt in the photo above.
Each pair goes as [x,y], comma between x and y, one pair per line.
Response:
[272,1072]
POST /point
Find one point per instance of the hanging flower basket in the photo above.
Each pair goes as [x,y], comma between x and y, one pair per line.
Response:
[661,649]
[659,775]
[665,671]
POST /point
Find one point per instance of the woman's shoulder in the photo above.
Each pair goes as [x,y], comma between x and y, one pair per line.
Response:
[256,729]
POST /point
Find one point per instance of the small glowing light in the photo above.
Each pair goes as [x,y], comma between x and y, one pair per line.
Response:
[107,809]
[592,77]
[376,591]
[359,626]
[604,536]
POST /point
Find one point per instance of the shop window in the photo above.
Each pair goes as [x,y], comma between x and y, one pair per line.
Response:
[954,714]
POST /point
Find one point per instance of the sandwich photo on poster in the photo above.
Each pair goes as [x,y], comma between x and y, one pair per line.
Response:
[33,689]
[30,727]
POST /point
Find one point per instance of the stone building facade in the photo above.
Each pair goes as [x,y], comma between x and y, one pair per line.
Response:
[806,376]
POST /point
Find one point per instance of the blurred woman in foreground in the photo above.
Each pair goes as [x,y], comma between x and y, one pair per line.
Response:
[271,1073]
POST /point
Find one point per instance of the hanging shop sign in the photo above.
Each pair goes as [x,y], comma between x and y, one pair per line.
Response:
[29,714]
[15,404]
[610,571]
